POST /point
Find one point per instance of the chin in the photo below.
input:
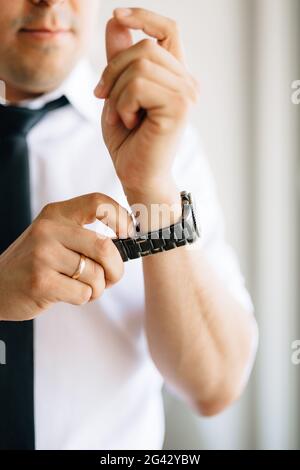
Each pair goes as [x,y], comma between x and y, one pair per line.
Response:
[44,75]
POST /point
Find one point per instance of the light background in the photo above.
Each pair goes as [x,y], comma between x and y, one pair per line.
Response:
[245,53]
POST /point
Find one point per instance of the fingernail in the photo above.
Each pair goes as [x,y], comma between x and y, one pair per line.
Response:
[123,12]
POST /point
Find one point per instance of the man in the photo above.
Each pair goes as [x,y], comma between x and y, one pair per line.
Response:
[104,339]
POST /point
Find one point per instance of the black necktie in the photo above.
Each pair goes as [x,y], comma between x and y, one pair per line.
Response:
[16,375]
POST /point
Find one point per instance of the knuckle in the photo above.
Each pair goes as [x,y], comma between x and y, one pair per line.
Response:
[38,281]
[38,253]
[97,292]
[165,125]
[98,284]
[85,294]
[119,271]
[136,85]
[40,228]
[96,198]
[49,209]
[103,246]
[140,11]
[97,272]
[147,45]
[141,65]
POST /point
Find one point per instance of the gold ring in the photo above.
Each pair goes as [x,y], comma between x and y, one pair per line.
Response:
[80,268]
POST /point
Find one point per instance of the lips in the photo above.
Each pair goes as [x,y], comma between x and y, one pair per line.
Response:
[42,32]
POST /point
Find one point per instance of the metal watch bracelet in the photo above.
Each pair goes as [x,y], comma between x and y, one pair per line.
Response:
[182,233]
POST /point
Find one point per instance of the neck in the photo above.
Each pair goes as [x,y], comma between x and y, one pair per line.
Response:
[15,95]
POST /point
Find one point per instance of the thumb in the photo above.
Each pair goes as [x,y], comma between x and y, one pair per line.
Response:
[86,209]
[118,38]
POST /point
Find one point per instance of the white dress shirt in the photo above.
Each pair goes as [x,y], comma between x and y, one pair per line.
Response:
[96,386]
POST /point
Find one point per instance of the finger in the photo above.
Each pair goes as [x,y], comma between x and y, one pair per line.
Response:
[87,209]
[163,106]
[146,49]
[118,38]
[70,290]
[146,69]
[98,249]
[164,29]
[93,275]
[67,262]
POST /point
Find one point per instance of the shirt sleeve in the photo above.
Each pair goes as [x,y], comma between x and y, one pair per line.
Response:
[192,173]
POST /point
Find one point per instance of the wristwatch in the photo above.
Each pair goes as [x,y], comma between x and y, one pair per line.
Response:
[182,233]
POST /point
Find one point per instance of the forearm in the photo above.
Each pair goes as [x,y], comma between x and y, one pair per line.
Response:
[199,336]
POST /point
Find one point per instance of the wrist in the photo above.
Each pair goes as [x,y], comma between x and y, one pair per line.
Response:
[155,206]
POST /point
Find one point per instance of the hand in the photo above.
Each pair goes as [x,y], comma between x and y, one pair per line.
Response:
[148,93]
[36,270]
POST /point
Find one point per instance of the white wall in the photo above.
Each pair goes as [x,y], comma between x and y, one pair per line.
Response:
[277,221]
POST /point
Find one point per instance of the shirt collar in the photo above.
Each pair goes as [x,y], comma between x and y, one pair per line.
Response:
[78,89]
